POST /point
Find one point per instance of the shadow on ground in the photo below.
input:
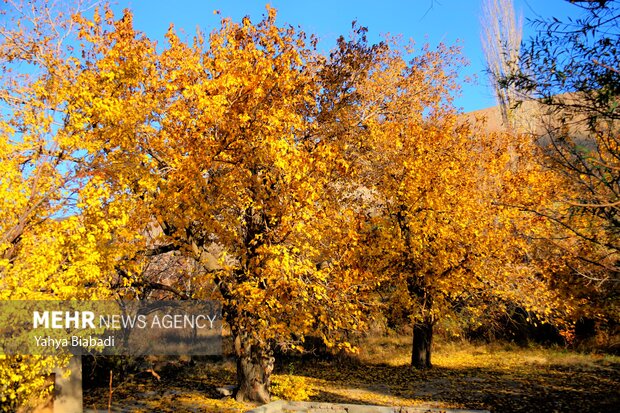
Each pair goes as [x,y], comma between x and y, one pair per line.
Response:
[525,385]
[526,388]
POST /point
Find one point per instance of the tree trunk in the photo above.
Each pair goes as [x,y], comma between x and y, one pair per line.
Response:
[422,341]
[254,367]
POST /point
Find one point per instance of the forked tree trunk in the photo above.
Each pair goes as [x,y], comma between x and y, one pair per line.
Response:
[422,341]
[254,367]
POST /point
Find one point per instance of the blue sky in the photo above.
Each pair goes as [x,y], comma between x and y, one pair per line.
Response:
[431,21]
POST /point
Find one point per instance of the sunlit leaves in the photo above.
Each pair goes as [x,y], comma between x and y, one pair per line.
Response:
[287,184]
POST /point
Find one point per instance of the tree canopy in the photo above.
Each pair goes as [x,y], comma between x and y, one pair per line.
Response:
[310,180]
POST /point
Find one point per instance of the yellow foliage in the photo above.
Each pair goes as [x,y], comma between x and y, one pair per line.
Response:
[291,387]
[288,184]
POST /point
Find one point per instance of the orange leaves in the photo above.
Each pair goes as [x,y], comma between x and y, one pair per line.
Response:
[441,189]
[312,178]
[222,162]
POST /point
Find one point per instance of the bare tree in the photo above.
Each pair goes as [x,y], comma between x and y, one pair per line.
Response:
[501,41]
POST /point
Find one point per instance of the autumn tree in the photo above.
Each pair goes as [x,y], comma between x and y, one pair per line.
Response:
[208,142]
[211,141]
[438,225]
[55,242]
[571,67]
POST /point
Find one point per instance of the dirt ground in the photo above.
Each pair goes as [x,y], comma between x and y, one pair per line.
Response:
[500,378]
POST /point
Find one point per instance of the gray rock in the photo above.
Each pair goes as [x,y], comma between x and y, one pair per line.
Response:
[226,391]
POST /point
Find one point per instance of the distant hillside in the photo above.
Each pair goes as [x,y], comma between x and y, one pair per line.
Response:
[533,117]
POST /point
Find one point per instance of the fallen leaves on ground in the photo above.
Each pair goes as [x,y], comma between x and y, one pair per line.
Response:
[494,377]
